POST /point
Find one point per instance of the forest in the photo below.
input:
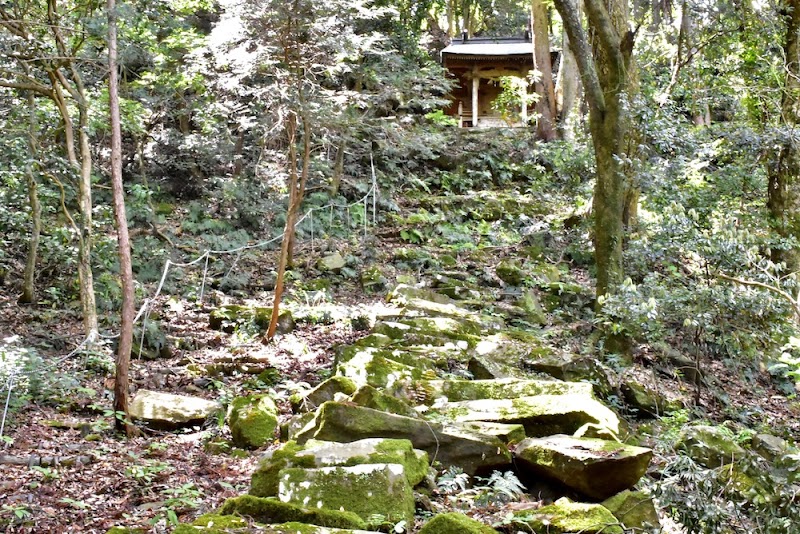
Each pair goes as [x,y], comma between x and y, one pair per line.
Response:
[435,266]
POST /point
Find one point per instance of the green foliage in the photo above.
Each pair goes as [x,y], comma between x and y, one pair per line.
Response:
[496,490]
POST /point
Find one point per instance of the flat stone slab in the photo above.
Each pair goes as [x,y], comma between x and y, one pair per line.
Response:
[315,454]
[541,415]
[596,468]
[167,411]
[502,388]
[366,490]
[449,444]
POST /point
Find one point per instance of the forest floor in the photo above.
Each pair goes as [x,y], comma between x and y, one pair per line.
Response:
[95,478]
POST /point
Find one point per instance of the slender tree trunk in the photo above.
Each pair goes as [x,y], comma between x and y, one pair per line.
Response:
[783,199]
[28,285]
[121,383]
[288,231]
[568,82]
[546,105]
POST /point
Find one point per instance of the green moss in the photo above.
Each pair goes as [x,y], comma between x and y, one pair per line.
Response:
[367,490]
[455,523]
[264,482]
[415,465]
[324,392]
[271,510]
[565,516]
[635,510]
[253,421]
[126,530]
[370,397]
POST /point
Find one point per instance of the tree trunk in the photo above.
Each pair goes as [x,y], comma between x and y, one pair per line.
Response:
[783,199]
[122,366]
[567,84]
[546,105]
[288,231]
[28,285]
[604,68]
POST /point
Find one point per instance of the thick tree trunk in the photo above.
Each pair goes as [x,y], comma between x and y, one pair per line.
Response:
[85,276]
[605,69]
[121,382]
[28,283]
[546,105]
[783,199]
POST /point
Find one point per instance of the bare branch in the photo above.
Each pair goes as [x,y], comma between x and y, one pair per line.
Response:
[773,289]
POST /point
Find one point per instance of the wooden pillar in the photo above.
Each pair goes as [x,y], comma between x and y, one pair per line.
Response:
[476,82]
[460,113]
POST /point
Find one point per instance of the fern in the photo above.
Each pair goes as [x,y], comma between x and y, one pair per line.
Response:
[453,481]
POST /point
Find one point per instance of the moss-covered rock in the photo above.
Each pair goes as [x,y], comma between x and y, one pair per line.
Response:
[126,530]
[314,454]
[455,523]
[374,279]
[468,390]
[647,402]
[742,487]
[450,445]
[404,292]
[271,510]
[366,490]
[369,368]
[369,397]
[252,421]
[411,356]
[510,272]
[597,468]
[772,448]
[635,510]
[708,445]
[226,317]
[541,415]
[324,392]
[296,424]
[564,516]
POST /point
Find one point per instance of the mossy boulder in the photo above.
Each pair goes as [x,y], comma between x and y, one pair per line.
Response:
[565,516]
[369,397]
[510,272]
[455,523]
[710,446]
[405,355]
[270,510]
[314,454]
[449,444]
[541,415]
[252,420]
[646,401]
[369,368]
[741,486]
[596,468]
[635,510]
[374,279]
[165,411]
[772,448]
[324,392]
[296,424]
[366,490]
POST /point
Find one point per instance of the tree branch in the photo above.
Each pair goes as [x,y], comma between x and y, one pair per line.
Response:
[608,37]
[29,86]
[778,291]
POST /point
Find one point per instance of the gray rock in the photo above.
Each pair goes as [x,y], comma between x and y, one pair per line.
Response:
[708,445]
[596,468]
[167,411]
[331,263]
[572,368]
